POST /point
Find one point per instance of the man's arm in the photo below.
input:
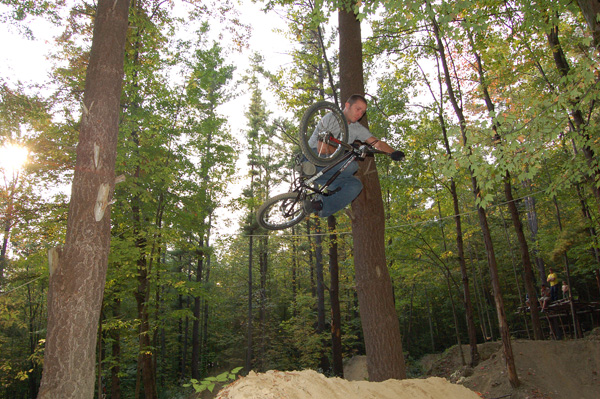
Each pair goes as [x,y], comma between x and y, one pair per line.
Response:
[380,145]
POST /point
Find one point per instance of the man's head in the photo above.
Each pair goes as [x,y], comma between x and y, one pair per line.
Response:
[355,108]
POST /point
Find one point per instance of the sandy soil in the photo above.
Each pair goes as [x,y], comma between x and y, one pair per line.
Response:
[310,384]
[546,369]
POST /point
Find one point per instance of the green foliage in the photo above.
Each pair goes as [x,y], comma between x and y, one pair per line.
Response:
[179,157]
[210,382]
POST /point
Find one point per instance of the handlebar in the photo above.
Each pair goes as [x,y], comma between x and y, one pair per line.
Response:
[362,149]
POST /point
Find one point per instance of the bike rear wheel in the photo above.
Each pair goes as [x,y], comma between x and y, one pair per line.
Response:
[335,124]
[280,212]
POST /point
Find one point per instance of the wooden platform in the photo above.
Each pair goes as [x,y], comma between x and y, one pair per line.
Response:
[560,320]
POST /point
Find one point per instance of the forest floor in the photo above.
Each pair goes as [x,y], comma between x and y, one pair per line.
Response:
[564,369]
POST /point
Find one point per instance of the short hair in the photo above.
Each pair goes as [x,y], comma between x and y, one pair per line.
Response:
[356,97]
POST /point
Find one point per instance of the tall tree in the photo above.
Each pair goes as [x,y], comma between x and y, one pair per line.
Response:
[483,222]
[381,328]
[78,271]
[508,192]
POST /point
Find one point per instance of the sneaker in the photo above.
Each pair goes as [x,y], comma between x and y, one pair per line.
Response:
[312,206]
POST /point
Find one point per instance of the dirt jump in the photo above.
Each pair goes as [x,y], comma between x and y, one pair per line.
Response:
[564,369]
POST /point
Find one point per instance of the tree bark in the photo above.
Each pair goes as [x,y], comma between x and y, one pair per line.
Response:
[334,298]
[78,273]
[380,324]
[590,10]
[578,121]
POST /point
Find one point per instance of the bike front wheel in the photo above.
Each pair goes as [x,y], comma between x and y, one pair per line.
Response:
[281,211]
[320,119]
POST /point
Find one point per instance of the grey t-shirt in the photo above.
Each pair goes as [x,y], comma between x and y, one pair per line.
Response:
[329,123]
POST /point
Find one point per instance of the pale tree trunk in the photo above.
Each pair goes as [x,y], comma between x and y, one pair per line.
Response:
[380,324]
[78,272]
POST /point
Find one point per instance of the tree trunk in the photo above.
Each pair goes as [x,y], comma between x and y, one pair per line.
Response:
[146,355]
[489,248]
[578,121]
[527,269]
[115,380]
[262,262]
[8,220]
[380,324]
[512,207]
[78,273]
[319,275]
[249,332]
[334,298]
[460,246]
[324,361]
[590,10]
[295,257]
[532,222]
[594,251]
[197,308]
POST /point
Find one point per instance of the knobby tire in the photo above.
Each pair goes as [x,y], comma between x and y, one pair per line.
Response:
[280,212]
[337,126]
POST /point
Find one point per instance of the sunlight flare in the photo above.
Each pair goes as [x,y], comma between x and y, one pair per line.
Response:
[13,157]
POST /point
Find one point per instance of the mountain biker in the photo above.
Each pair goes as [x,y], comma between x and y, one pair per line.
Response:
[346,187]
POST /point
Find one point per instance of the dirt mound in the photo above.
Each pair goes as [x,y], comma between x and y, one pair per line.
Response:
[546,369]
[309,384]
[355,369]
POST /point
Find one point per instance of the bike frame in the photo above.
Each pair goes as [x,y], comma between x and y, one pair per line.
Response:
[346,160]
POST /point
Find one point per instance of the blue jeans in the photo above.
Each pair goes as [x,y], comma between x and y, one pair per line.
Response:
[350,186]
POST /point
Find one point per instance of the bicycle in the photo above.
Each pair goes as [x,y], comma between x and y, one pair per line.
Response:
[286,210]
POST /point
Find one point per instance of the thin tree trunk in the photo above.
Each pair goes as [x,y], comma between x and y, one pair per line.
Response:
[115,384]
[512,207]
[204,346]
[197,310]
[320,328]
[262,262]
[471,329]
[249,331]
[493,268]
[579,125]
[295,256]
[430,321]
[576,330]
[334,298]
[319,275]
[455,317]
[594,251]
[532,221]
